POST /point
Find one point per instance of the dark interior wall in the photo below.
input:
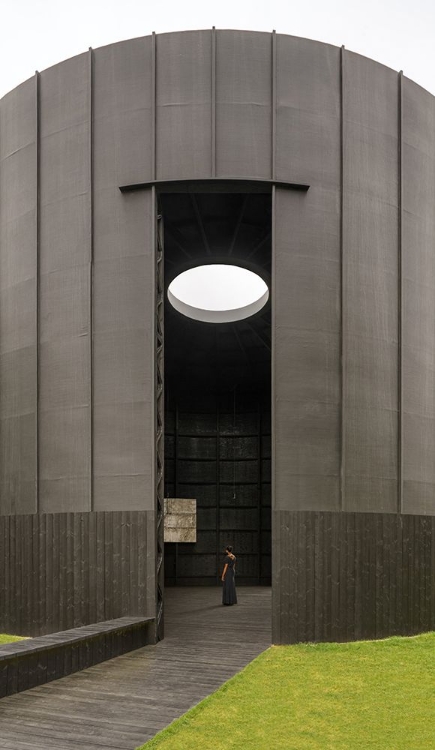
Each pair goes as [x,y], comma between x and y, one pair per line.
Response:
[221,458]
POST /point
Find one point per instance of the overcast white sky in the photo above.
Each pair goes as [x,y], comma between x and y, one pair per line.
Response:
[35,34]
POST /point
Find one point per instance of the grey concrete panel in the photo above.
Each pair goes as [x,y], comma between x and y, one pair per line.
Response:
[123,302]
[18,462]
[17,383]
[377,177]
[370,284]
[308,112]
[18,305]
[306,351]
[306,283]
[68,242]
[64,390]
[416,467]
[18,119]
[66,376]
[19,232]
[62,450]
[17,322]
[418,494]
[417,370]
[183,98]
[243,104]
[310,374]
[63,304]
[116,219]
[304,436]
[122,106]
[65,288]
[121,287]
[117,354]
[20,196]
[372,306]
[373,459]
[305,273]
[123,277]
[307,491]
[125,491]
[375,494]
[124,451]
[360,394]
[65,96]
[418,330]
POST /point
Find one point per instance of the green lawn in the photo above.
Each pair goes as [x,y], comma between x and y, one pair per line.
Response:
[4,638]
[376,695]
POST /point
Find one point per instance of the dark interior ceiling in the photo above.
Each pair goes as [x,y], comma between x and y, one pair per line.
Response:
[216,228]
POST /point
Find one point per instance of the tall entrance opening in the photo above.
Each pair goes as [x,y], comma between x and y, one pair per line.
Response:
[218,386]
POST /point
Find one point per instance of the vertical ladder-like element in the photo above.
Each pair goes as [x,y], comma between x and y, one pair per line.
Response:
[159,430]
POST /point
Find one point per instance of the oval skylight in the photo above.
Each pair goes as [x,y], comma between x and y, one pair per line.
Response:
[218,293]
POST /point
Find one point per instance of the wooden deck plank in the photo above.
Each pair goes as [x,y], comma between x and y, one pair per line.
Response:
[120,704]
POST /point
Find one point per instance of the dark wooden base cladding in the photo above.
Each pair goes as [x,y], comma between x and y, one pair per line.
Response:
[350,576]
[64,570]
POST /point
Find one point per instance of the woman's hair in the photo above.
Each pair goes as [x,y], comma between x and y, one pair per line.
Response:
[229,548]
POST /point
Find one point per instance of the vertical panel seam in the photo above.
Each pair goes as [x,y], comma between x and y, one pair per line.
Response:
[342,281]
[218,483]
[276,552]
[274,77]
[259,496]
[176,479]
[38,278]
[154,106]
[400,300]
[213,102]
[153,360]
[91,272]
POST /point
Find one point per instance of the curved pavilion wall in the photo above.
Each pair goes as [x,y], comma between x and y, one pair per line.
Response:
[353,326]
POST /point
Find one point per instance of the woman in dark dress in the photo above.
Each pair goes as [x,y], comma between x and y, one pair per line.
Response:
[229,595]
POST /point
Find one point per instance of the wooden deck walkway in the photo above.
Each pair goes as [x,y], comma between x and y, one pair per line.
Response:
[120,704]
